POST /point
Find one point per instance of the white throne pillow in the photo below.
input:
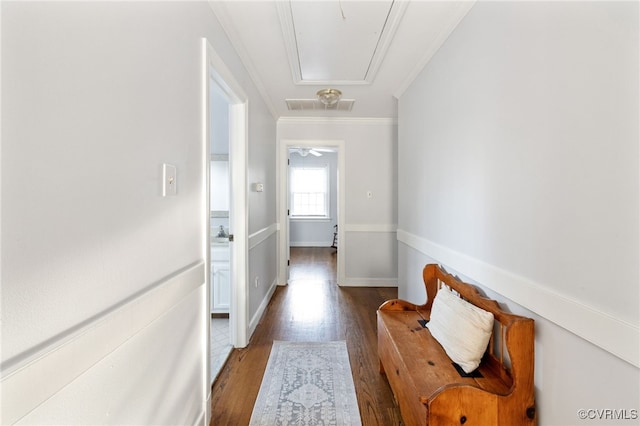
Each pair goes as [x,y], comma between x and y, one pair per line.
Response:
[461,328]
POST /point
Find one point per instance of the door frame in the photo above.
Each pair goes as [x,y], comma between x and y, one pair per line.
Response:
[216,72]
[283,201]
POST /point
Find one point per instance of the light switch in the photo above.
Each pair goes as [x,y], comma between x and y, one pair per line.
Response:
[169,180]
[369,194]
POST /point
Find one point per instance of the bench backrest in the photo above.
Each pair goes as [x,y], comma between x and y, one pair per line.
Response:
[510,352]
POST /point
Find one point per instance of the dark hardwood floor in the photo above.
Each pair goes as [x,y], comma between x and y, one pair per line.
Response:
[311,308]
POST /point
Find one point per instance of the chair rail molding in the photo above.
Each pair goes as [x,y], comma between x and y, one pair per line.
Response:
[603,329]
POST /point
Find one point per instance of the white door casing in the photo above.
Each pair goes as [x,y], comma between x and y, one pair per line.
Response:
[216,72]
[283,201]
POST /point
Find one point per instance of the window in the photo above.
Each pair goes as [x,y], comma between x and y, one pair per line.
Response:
[309,191]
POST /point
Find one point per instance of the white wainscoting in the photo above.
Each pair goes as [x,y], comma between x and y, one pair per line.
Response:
[369,281]
[260,236]
[255,240]
[603,329]
[90,342]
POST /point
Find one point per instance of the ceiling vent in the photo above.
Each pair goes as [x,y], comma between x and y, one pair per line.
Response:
[315,105]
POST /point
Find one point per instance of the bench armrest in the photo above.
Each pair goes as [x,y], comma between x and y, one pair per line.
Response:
[398,305]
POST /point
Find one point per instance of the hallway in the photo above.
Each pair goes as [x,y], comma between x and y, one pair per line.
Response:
[311,308]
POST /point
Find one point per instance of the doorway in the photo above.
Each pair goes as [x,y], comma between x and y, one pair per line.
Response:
[313,196]
[220,229]
[311,219]
[225,202]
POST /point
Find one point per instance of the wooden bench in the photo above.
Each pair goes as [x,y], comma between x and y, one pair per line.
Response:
[427,386]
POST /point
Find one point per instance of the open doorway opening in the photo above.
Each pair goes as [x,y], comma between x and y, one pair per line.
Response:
[313,213]
[225,203]
[220,229]
[313,196]
[311,202]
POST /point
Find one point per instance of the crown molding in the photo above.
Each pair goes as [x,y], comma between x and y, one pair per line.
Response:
[463,9]
[220,11]
[389,31]
[290,42]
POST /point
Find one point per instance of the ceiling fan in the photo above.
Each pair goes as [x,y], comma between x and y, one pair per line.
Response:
[313,151]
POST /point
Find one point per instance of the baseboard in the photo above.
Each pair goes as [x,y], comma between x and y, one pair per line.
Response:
[603,329]
[205,415]
[311,244]
[368,282]
[255,320]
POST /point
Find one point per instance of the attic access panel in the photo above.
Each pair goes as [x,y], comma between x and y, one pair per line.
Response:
[338,42]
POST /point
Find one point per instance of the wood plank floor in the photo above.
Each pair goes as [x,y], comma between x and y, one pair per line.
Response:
[311,308]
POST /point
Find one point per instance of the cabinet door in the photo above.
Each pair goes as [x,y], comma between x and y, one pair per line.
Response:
[221,294]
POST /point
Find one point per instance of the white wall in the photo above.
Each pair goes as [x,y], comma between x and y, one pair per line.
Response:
[316,232]
[518,169]
[103,302]
[263,238]
[369,244]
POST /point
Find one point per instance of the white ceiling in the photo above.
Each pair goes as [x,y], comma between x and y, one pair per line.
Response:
[370,50]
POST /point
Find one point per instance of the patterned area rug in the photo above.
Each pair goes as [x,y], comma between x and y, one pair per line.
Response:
[307,384]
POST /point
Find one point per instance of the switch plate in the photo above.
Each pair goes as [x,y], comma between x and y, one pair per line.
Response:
[169,180]
[369,194]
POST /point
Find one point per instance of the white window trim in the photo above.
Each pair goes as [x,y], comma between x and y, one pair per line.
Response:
[314,218]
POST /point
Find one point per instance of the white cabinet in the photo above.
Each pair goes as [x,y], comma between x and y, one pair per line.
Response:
[221,294]
[220,279]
